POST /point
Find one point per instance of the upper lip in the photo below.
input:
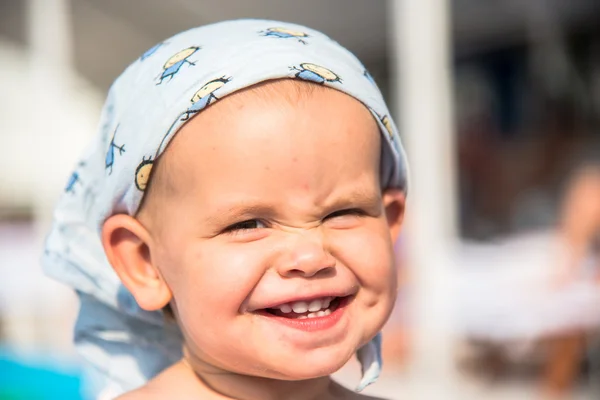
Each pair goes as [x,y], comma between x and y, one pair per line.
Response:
[307,298]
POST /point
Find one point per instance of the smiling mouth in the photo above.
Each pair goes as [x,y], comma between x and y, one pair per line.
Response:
[320,307]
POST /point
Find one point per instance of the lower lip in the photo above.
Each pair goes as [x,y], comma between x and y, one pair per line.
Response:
[312,324]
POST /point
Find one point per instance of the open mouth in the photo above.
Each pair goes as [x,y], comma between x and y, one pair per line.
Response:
[315,308]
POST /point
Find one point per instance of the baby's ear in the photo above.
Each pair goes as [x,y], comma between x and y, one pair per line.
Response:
[394,202]
[127,246]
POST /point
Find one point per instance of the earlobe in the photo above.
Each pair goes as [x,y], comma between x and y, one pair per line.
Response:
[394,201]
[127,245]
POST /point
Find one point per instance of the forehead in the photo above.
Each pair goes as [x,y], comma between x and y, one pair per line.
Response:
[297,129]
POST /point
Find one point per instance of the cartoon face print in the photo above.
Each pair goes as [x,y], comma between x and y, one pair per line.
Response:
[315,73]
[110,153]
[204,96]
[142,174]
[174,64]
[151,51]
[285,33]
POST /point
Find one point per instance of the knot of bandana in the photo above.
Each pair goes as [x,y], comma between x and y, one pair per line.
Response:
[146,106]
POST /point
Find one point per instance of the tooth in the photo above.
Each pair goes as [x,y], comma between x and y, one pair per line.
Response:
[286,308]
[302,317]
[326,302]
[320,313]
[311,315]
[315,305]
[326,312]
[300,307]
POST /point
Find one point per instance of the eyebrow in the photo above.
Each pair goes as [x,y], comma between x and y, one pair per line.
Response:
[237,212]
[361,196]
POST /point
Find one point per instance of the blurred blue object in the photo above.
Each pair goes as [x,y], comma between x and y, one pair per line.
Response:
[38,378]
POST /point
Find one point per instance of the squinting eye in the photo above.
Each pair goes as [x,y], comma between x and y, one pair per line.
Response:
[245,226]
[350,211]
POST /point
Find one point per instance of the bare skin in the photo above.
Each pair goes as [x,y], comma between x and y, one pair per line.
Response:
[180,382]
[581,215]
[580,225]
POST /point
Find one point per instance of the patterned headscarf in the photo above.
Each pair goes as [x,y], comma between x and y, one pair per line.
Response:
[146,106]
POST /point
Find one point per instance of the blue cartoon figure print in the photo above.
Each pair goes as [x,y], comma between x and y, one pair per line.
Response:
[315,73]
[369,77]
[72,182]
[204,96]
[174,64]
[284,33]
[74,179]
[151,51]
[110,153]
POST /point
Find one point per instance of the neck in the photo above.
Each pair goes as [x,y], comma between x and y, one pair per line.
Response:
[229,385]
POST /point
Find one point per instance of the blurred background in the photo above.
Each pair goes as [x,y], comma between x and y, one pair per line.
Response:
[499,107]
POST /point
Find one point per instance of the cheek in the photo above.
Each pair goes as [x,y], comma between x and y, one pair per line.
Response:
[212,282]
[368,253]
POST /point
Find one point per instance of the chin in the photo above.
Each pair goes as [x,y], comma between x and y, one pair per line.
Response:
[314,365]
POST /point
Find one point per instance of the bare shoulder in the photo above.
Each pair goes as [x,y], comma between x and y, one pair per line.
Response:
[138,394]
[172,383]
[155,389]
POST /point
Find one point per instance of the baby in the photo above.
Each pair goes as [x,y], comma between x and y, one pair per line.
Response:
[247,187]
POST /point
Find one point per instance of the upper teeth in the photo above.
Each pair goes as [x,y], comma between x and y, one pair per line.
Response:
[300,307]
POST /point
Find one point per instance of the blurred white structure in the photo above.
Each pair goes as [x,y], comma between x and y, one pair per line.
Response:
[515,291]
[45,122]
[422,61]
[50,113]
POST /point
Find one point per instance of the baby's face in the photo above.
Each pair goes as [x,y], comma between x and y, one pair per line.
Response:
[276,207]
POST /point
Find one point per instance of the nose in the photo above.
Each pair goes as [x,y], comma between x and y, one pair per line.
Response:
[305,256]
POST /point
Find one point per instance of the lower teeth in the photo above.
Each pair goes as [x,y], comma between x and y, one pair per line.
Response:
[321,313]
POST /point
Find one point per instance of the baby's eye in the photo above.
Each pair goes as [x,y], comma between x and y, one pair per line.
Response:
[350,212]
[245,226]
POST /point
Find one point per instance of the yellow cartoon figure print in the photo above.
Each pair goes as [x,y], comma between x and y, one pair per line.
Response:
[204,96]
[285,33]
[174,64]
[142,173]
[385,120]
[315,73]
